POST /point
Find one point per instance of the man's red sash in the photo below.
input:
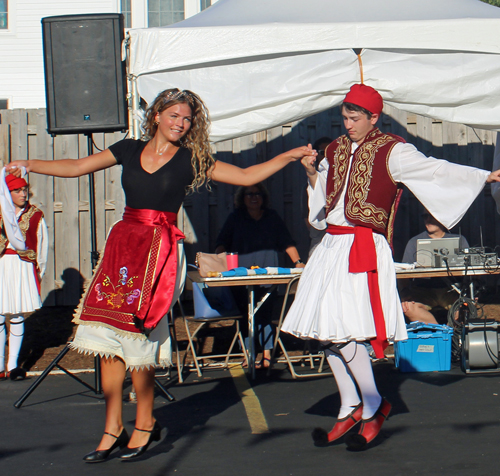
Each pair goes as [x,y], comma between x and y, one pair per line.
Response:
[363,259]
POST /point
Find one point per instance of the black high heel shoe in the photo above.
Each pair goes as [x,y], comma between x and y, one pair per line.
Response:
[154,435]
[98,456]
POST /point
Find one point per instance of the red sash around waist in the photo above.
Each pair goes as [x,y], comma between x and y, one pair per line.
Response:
[149,217]
[363,259]
[134,284]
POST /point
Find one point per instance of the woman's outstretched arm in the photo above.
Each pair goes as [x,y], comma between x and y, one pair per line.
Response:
[227,173]
[65,167]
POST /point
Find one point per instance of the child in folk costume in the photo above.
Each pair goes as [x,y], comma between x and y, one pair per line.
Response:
[143,268]
[22,265]
[347,293]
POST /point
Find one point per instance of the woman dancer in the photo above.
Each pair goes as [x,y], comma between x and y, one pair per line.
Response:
[142,269]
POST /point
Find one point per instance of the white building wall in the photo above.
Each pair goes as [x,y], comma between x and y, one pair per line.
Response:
[22,79]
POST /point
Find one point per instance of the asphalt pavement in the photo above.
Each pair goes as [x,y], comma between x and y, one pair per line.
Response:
[442,423]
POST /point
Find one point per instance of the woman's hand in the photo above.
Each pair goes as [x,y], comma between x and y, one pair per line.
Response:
[302,153]
[300,265]
[14,168]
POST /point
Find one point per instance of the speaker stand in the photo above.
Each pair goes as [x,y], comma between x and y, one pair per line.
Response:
[55,363]
[94,254]
[97,389]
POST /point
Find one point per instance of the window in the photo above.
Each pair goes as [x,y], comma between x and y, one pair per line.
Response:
[154,13]
[4,23]
[4,104]
[127,12]
[165,12]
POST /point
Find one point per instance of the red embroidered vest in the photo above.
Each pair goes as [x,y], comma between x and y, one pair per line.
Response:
[372,195]
[28,222]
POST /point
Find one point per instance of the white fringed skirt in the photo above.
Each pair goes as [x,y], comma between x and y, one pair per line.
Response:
[155,351]
[333,305]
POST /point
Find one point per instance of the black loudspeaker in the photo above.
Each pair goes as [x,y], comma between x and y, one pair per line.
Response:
[85,77]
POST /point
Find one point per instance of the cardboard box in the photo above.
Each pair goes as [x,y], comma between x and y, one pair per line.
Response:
[427,349]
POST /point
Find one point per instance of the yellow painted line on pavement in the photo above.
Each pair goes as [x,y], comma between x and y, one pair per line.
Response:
[255,415]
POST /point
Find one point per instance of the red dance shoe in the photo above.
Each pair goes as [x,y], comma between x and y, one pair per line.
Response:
[369,428]
[3,375]
[343,425]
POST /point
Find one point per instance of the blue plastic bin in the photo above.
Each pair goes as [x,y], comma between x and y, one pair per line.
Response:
[427,349]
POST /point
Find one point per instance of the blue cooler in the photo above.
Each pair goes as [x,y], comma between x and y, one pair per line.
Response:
[427,349]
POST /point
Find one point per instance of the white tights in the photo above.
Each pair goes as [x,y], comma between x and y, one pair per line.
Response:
[15,340]
[352,371]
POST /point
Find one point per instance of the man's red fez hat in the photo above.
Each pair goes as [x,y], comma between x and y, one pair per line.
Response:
[13,183]
[366,97]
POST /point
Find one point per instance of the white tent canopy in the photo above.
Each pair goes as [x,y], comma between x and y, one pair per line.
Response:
[260,63]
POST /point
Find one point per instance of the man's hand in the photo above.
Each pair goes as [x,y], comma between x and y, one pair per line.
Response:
[493,177]
[309,162]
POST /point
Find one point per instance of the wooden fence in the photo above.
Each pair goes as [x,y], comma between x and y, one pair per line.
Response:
[65,202]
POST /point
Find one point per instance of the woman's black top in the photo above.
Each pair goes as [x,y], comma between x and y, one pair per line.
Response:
[243,234]
[163,190]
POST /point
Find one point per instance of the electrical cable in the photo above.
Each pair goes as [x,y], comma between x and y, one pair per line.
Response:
[460,312]
[100,150]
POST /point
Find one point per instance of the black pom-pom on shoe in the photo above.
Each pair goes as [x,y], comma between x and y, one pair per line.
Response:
[320,437]
[355,442]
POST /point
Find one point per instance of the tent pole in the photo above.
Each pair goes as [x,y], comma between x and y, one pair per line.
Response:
[135,107]
[133,95]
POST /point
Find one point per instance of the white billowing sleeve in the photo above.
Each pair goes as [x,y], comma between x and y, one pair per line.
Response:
[42,236]
[445,189]
[317,198]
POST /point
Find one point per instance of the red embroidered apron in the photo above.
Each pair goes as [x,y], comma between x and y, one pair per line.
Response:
[133,286]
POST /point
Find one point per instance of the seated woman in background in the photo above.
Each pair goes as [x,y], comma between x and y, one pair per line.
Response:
[257,233]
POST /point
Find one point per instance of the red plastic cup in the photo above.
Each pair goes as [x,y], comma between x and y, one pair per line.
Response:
[232,260]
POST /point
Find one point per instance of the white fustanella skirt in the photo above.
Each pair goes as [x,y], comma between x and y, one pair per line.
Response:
[333,305]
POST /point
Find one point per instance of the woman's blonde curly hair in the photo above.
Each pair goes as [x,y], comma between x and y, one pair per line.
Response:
[197,138]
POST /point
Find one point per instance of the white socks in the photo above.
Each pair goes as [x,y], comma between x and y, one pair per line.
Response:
[349,397]
[357,370]
[15,340]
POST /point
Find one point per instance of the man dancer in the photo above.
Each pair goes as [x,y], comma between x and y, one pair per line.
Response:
[20,273]
[347,293]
